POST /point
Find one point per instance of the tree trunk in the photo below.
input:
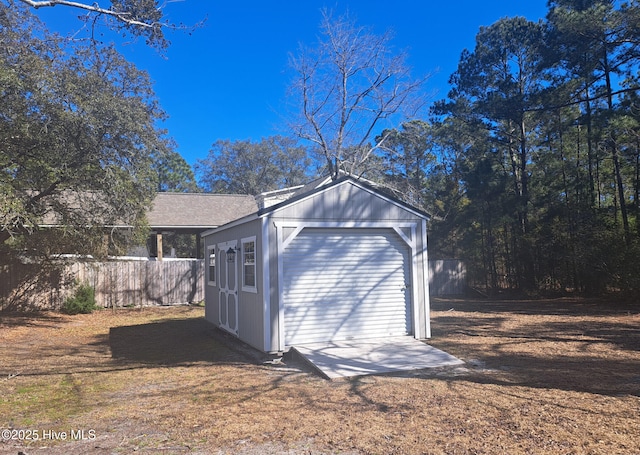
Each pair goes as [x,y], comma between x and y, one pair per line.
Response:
[613,147]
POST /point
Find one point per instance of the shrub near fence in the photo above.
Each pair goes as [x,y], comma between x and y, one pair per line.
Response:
[143,283]
[117,283]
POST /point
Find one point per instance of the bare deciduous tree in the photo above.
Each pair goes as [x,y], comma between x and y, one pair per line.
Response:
[347,87]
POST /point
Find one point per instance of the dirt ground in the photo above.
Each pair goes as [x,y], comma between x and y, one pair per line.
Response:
[541,377]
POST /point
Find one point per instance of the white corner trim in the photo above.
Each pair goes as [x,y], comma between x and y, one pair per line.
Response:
[280,248]
[266,287]
[425,266]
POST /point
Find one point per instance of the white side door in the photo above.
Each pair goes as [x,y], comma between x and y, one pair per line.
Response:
[228,297]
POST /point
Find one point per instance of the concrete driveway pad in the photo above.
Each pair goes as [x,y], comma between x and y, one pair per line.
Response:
[373,356]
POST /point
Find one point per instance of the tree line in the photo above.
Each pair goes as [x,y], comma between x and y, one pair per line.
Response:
[540,137]
[530,167]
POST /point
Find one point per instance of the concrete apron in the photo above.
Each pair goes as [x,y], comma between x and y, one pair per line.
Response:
[341,359]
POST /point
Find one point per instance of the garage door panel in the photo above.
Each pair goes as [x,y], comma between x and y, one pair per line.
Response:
[345,284]
[329,312]
[304,287]
[342,325]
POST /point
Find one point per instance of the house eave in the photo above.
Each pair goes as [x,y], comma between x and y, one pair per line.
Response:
[176,227]
[231,224]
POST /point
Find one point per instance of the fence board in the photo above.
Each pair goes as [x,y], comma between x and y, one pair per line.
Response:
[117,283]
[447,277]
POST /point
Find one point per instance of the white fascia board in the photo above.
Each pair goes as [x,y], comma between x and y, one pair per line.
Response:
[182,226]
[283,190]
[152,227]
[406,207]
[355,183]
[231,224]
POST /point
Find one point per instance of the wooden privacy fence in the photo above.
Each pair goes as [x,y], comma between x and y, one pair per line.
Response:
[143,283]
[447,277]
[118,283]
[124,283]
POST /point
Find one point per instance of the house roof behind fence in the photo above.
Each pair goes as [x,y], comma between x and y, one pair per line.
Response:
[198,210]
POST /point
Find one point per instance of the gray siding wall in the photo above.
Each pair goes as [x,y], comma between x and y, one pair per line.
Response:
[345,202]
[250,304]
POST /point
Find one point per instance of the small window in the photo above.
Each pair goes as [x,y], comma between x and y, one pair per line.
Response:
[211,266]
[249,264]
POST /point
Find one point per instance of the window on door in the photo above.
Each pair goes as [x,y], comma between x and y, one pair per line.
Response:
[211,266]
[249,264]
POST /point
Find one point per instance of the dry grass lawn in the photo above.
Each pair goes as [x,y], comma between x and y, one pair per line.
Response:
[542,377]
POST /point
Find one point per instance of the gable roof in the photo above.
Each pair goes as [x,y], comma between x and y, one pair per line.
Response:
[324,184]
[315,187]
[198,210]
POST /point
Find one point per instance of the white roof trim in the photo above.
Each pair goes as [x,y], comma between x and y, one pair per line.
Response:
[344,182]
[312,193]
[229,225]
[283,190]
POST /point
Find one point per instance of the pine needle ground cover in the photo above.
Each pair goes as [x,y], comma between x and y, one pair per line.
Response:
[541,377]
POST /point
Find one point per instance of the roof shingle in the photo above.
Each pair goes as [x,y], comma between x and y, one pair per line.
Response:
[198,210]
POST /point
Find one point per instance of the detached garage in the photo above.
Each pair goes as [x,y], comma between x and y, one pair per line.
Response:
[337,260]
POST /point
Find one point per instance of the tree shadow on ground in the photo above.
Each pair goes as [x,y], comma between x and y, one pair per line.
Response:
[177,342]
[568,306]
[585,347]
[29,319]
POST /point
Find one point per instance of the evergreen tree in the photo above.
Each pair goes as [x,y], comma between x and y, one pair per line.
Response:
[247,167]
[77,134]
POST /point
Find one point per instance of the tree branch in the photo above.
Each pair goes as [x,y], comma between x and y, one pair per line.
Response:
[95,8]
[583,100]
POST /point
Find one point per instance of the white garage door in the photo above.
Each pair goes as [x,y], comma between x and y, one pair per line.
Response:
[342,284]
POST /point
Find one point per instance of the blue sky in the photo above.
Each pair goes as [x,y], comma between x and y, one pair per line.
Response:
[229,78]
